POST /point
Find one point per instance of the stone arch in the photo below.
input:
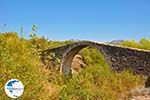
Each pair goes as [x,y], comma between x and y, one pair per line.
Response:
[118,57]
[69,54]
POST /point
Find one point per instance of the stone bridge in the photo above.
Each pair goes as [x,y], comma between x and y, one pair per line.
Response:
[118,57]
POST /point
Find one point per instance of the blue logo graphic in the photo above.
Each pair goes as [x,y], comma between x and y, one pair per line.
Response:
[14,88]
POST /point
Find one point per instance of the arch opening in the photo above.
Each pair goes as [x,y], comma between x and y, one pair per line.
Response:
[66,65]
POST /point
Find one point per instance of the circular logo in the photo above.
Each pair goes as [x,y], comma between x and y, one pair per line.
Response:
[14,88]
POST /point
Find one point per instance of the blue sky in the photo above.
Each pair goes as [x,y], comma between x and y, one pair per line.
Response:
[98,20]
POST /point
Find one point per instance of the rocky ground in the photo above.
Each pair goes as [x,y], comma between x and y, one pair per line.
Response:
[140,93]
[146,97]
[78,64]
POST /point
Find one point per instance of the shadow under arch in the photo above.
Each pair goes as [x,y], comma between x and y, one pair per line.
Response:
[70,53]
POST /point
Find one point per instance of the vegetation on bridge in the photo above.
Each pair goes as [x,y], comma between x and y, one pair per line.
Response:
[19,58]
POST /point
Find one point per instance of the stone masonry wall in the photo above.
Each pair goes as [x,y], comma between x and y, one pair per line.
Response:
[118,57]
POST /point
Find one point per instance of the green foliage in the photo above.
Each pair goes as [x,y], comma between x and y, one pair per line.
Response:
[19,59]
[97,83]
[142,44]
[53,44]
[93,56]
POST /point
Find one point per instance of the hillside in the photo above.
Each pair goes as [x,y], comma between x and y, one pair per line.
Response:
[19,58]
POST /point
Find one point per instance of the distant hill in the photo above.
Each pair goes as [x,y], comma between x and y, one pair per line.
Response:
[116,42]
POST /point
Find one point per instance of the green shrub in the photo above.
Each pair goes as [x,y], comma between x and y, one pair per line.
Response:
[19,59]
[142,44]
[97,81]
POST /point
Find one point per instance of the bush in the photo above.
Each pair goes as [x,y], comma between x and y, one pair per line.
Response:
[19,59]
[97,81]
